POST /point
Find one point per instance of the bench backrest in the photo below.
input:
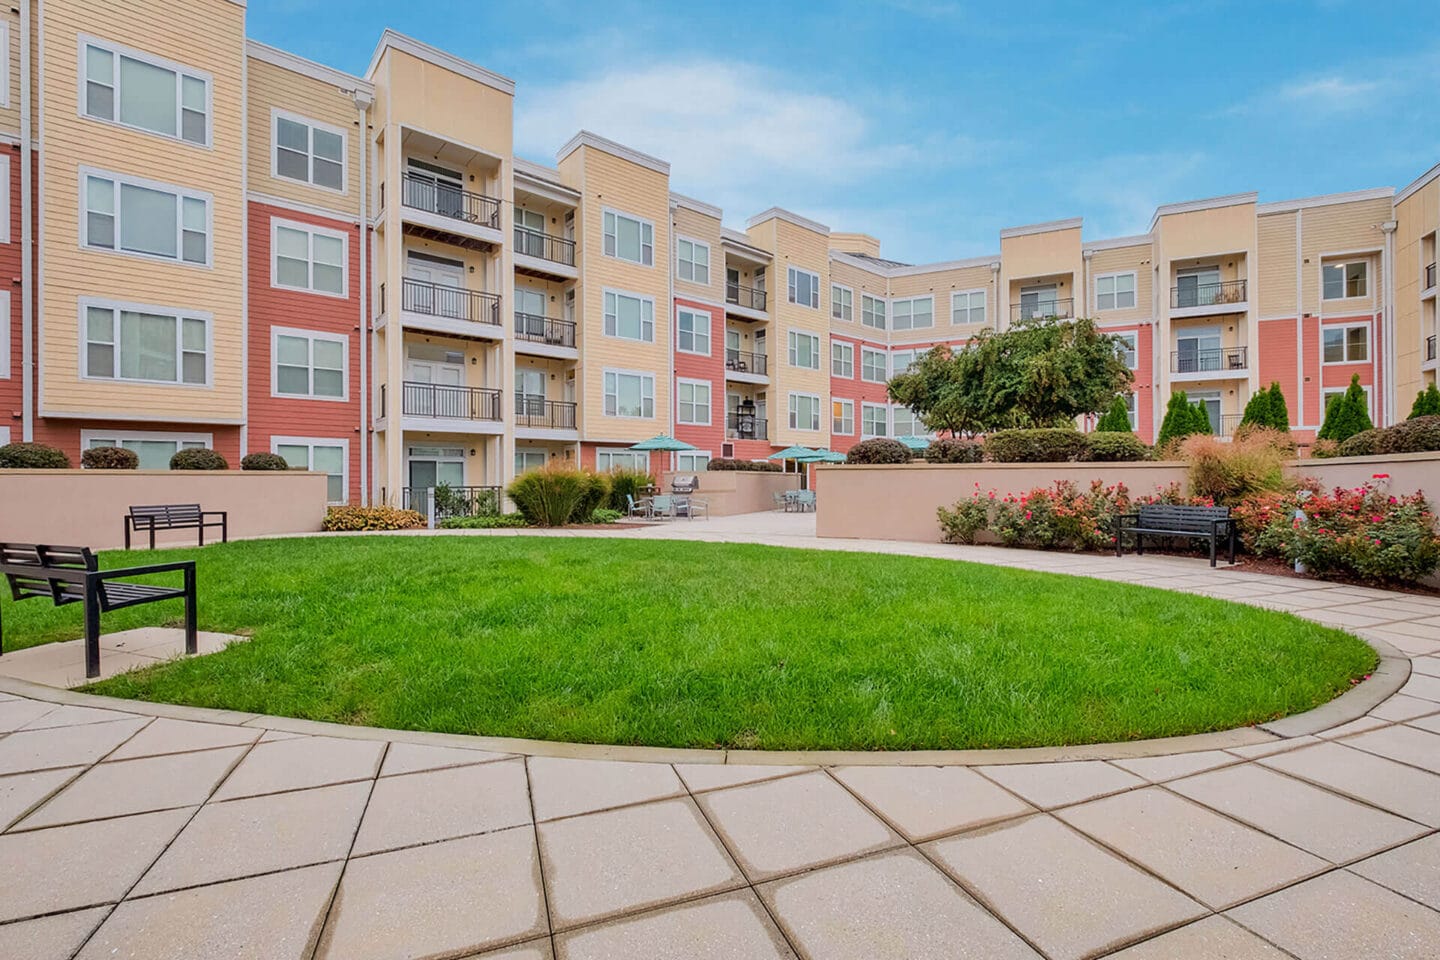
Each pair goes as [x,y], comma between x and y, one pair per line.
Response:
[28,568]
[164,514]
[1172,516]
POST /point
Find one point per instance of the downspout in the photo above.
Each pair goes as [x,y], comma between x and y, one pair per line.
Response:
[1300,320]
[1387,320]
[27,238]
[362,102]
[671,321]
[995,298]
[1087,256]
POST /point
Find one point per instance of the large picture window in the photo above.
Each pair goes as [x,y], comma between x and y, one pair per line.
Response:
[804,350]
[147,93]
[145,218]
[308,258]
[629,238]
[804,411]
[629,395]
[629,317]
[147,344]
[804,288]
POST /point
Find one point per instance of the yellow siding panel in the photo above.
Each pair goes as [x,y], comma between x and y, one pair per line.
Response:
[1275,273]
[273,87]
[691,224]
[807,250]
[1137,260]
[1342,228]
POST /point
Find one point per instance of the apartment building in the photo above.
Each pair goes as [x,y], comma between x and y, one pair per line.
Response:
[214,242]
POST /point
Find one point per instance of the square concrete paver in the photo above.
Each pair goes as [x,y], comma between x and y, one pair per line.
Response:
[65,868]
[1422,687]
[1402,707]
[1418,748]
[562,787]
[1214,938]
[1058,784]
[1272,747]
[123,787]
[70,715]
[442,804]
[1160,769]
[1431,723]
[255,835]
[892,906]
[441,900]
[55,937]
[1340,917]
[1215,860]
[618,861]
[781,826]
[928,802]
[179,736]
[1413,870]
[274,917]
[1386,784]
[535,950]
[1359,725]
[1313,819]
[300,763]
[731,926]
[1426,666]
[1064,892]
[700,777]
[418,757]
[20,792]
[14,714]
[63,746]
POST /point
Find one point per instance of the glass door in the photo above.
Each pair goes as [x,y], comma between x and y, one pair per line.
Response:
[1197,351]
[432,389]
[1210,400]
[529,313]
[1037,302]
[530,233]
[530,395]
[434,188]
[1199,287]
[439,287]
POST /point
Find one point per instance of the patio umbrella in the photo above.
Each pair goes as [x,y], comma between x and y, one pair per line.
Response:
[915,443]
[663,443]
[796,452]
[829,456]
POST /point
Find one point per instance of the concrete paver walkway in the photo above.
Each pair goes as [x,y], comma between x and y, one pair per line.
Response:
[147,831]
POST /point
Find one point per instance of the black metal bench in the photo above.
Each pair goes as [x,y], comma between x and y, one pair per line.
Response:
[175,516]
[72,575]
[1174,520]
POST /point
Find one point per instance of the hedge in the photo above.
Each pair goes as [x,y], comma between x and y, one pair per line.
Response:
[198,458]
[371,518]
[1418,435]
[1115,447]
[743,466]
[954,450]
[879,450]
[1045,445]
[263,461]
[33,456]
[109,458]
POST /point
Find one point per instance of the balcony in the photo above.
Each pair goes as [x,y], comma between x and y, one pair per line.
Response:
[1429,277]
[545,332]
[746,367]
[744,426]
[435,210]
[1221,296]
[435,401]
[541,414]
[1209,364]
[544,254]
[747,298]
[1059,309]
[426,299]
[438,503]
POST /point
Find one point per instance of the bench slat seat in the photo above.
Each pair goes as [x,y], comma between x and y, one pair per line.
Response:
[175,516]
[1177,520]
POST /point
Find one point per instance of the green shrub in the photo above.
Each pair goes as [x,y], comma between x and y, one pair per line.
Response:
[1363,444]
[1324,449]
[263,461]
[1115,447]
[1116,419]
[1420,435]
[1346,414]
[1045,445]
[743,466]
[371,518]
[954,450]
[109,458]
[1279,409]
[1060,517]
[605,515]
[965,519]
[1427,403]
[1182,419]
[33,456]
[625,483]
[492,521]
[1257,410]
[878,450]
[555,494]
[198,458]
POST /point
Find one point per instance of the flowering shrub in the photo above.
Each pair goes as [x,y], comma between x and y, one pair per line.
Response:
[371,518]
[967,518]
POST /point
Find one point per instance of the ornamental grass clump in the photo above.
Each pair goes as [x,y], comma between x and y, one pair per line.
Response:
[1228,472]
[555,495]
[625,483]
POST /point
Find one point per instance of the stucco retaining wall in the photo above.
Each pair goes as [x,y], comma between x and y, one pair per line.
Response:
[729,492]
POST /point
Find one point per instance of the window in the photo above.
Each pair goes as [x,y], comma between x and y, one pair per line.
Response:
[872,312]
[1330,393]
[308,258]
[5,67]
[906,424]
[902,361]
[637,460]
[874,419]
[527,459]
[1115,291]
[842,417]
[913,314]
[842,359]
[872,365]
[4,194]
[330,457]
[154,448]
[842,302]
[804,411]
[308,151]
[1126,348]
[308,364]
[693,334]
[4,334]
[693,403]
[629,238]
[629,395]
[153,344]
[629,317]
[804,350]
[967,306]
[1130,410]
[804,288]
[137,90]
[693,461]
[1347,344]
[145,218]
[692,261]
[1342,281]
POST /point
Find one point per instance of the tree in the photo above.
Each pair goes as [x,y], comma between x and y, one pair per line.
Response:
[1182,418]
[1116,419]
[1427,403]
[1258,410]
[933,389]
[1346,414]
[1279,410]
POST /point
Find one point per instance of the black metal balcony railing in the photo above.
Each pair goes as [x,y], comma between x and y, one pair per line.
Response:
[456,303]
[432,196]
[533,411]
[446,402]
[533,243]
[1202,361]
[451,501]
[1430,347]
[1429,276]
[744,426]
[1208,294]
[1060,308]
[742,361]
[1229,423]
[743,296]
[538,329]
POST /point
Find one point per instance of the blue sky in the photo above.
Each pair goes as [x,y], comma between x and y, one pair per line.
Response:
[932,124]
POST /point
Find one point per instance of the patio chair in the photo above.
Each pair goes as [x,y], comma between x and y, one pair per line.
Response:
[690,506]
[633,509]
[662,506]
[805,500]
[792,500]
[781,502]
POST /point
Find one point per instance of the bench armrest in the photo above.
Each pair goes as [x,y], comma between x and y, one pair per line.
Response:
[188,565]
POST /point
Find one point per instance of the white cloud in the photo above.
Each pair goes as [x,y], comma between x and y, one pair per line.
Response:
[1118,194]
[1333,93]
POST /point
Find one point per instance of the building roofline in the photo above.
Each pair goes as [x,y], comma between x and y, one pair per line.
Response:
[1418,183]
[1208,203]
[309,68]
[391,39]
[587,139]
[1117,243]
[545,180]
[780,213]
[1049,226]
[1324,200]
[911,270]
[859,263]
[737,239]
[699,206]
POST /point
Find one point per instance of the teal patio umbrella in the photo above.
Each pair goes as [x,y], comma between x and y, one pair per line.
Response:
[662,443]
[828,456]
[915,443]
[797,453]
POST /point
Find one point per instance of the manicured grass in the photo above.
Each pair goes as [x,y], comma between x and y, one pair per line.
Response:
[705,645]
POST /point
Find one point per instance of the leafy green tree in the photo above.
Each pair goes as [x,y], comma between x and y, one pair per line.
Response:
[1182,418]
[1279,410]
[933,388]
[1116,419]
[1427,403]
[1346,414]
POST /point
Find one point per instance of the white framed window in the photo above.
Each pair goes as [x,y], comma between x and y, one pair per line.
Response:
[804,411]
[629,316]
[1130,411]
[309,258]
[138,90]
[804,288]
[842,359]
[622,459]
[5,68]
[4,436]
[321,454]
[903,361]
[5,197]
[692,260]
[4,334]
[529,458]
[804,350]
[1349,343]
[873,365]
[307,363]
[145,344]
[905,423]
[912,313]
[307,150]
[967,306]
[629,238]
[692,461]
[1330,393]
[842,417]
[692,331]
[692,402]
[1343,281]
[153,447]
[872,312]
[842,302]
[1127,350]
[144,218]
[629,394]
[1115,291]
[874,420]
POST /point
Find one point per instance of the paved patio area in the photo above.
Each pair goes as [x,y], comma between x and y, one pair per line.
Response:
[160,832]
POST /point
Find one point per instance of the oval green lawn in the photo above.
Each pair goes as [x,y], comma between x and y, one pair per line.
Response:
[716,645]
